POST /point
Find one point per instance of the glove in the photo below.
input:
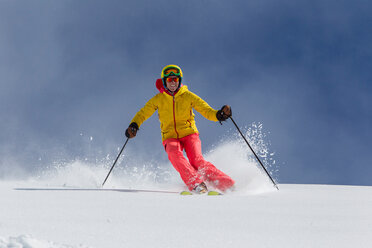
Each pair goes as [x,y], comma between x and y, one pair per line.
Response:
[224,113]
[131,130]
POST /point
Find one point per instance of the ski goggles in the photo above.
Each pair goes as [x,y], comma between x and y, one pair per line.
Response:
[170,79]
[171,72]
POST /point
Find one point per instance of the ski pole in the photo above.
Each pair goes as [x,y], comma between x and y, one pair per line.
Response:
[255,154]
[116,160]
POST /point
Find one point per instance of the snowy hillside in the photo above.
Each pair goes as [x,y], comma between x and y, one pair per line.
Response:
[295,216]
[65,206]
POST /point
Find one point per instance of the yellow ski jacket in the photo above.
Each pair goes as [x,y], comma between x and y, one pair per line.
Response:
[175,112]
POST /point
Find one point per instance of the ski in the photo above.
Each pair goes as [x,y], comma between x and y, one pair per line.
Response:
[211,192]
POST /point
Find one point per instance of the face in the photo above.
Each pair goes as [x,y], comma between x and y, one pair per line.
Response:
[172,85]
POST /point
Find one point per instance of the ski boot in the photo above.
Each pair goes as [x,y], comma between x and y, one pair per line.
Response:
[201,189]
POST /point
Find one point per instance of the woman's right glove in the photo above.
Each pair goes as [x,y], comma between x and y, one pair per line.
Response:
[224,113]
[131,130]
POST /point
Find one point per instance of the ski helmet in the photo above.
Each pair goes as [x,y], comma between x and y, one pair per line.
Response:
[171,70]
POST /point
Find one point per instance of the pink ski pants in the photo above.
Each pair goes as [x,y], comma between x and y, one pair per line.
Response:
[194,170]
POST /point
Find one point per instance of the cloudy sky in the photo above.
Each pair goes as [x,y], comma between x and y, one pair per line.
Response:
[73,74]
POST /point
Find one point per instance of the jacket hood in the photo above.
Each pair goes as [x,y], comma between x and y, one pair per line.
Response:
[160,86]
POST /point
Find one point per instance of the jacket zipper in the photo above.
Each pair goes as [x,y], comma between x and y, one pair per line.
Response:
[174,117]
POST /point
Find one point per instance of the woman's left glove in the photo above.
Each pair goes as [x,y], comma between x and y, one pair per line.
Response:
[224,113]
[131,130]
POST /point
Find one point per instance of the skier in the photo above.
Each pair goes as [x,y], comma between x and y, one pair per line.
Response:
[174,103]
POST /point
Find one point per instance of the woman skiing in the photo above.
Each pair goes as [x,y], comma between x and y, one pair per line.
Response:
[175,104]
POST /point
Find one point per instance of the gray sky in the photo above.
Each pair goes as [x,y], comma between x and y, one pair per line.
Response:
[71,70]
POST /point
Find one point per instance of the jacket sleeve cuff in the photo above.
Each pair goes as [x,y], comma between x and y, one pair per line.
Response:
[135,125]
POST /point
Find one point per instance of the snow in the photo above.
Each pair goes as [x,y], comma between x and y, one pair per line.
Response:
[295,216]
[65,206]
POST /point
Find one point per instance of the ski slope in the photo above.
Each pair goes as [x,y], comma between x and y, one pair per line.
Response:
[295,216]
[65,206]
